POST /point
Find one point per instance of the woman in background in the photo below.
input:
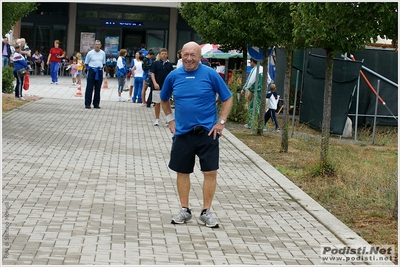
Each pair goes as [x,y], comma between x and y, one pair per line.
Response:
[122,71]
[137,70]
[54,60]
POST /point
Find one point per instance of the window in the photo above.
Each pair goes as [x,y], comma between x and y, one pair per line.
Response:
[110,15]
[27,33]
[60,33]
[135,16]
[156,40]
[87,14]
[42,40]
[158,17]
[54,9]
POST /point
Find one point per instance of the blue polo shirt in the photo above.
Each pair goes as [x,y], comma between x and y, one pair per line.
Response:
[195,97]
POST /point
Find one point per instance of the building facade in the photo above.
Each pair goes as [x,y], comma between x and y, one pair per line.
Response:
[116,24]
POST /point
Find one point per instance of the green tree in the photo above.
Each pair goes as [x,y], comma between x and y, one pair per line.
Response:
[338,27]
[220,23]
[234,26]
[13,12]
[280,22]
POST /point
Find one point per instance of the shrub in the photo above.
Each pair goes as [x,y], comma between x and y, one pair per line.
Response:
[8,79]
[238,112]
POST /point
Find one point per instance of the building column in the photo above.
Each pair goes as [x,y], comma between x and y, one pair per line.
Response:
[16,32]
[173,34]
[71,29]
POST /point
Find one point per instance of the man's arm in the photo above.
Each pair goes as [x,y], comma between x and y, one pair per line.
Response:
[155,84]
[166,106]
[27,52]
[48,58]
[225,109]
[251,80]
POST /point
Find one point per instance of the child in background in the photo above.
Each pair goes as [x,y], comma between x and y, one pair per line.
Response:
[80,67]
[272,105]
[74,71]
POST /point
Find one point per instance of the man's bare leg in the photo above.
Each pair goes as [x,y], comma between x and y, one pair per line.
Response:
[183,184]
[209,186]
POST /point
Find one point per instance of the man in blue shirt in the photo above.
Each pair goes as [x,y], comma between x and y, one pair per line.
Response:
[143,50]
[196,127]
[159,71]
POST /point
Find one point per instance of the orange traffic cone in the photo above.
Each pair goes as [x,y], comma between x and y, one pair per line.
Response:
[105,83]
[79,91]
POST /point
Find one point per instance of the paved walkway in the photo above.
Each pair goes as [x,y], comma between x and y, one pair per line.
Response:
[85,187]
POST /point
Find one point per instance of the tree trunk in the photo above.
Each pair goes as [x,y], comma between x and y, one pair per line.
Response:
[326,119]
[260,126]
[286,99]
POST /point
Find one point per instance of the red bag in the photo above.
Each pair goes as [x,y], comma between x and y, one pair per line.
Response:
[26,81]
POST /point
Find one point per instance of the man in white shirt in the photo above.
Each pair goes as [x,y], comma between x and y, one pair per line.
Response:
[94,62]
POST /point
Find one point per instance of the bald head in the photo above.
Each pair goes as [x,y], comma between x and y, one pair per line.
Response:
[191,45]
[191,56]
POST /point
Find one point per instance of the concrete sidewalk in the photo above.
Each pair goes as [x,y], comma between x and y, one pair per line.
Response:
[85,187]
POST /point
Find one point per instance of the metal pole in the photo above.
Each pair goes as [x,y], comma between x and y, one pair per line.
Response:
[255,101]
[380,76]
[357,104]
[375,73]
[295,100]
[366,115]
[376,112]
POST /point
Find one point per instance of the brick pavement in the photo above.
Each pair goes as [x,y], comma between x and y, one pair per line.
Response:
[83,187]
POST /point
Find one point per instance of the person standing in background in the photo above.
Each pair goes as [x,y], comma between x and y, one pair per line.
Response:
[94,62]
[272,105]
[25,50]
[146,66]
[179,55]
[252,86]
[19,64]
[122,71]
[6,52]
[54,61]
[143,50]
[135,61]
[80,68]
[137,72]
[159,71]
[74,71]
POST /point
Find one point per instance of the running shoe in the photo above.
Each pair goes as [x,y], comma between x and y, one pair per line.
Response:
[182,217]
[208,219]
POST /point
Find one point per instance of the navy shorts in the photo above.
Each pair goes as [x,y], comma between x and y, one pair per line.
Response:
[186,147]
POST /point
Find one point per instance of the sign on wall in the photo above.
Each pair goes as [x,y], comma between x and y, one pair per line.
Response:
[111,45]
[87,41]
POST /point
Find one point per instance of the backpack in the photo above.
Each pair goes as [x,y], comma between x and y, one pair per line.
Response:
[146,65]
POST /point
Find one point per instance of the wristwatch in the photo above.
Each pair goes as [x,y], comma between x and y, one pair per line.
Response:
[222,121]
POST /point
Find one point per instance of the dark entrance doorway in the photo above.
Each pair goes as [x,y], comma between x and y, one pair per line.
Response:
[131,41]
